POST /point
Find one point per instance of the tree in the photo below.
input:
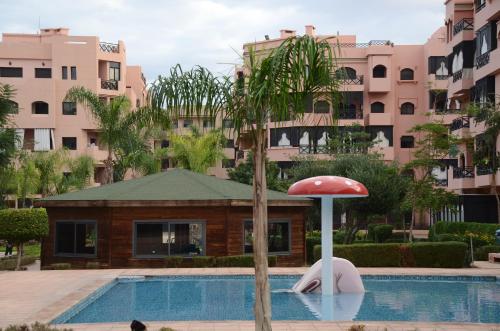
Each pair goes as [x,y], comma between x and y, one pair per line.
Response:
[115,121]
[385,186]
[21,225]
[26,177]
[486,155]
[8,141]
[275,85]
[196,151]
[243,173]
[434,145]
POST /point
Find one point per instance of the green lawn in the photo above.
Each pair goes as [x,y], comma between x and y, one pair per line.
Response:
[29,250]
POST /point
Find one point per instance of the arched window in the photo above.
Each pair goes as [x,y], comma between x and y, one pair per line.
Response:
[407,142]
[321,107]
[406,74]
[379,71]
[40,108]
[345,73]
[407,108]
[377,107]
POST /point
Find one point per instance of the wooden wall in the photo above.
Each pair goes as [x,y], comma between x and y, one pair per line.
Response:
[224,232]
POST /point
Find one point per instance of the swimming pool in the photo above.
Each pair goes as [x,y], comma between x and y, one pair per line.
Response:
[389,298]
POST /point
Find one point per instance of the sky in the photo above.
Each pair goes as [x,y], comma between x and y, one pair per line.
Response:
[161,33]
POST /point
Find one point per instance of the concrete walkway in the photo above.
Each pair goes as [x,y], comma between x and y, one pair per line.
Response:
[28,296]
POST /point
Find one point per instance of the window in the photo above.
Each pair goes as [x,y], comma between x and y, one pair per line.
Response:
[379,71]
[64,72]
[114,71]
[228,163]
[76,238]
[69,143]
[322,107]
[163,238]
[73,73]
[208,123]
[345,73]
[69,108]
[229,143]
[43,72]
[486,38]
[407,142]
[227,124]
[40,108]
[377,107]
[406,74]
[278,237]
[407,108]
[437,65]
[11,72]
[188,123]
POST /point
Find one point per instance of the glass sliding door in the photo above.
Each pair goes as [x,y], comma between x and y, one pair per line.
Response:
[166,238]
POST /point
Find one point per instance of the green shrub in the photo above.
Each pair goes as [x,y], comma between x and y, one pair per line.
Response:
[463,227]
[9,263]
[60,266]
[382,232]
[439,255]
[429,255]
[173,261]
[34,327]
[481,253]
[203,261]
[92,265]
[338,237]
[370,234]
[310,243]
[244,261]
[448,237]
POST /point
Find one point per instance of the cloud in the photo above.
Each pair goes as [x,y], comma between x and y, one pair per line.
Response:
[159,34]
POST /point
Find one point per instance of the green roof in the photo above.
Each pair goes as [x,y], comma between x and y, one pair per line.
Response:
[172,185]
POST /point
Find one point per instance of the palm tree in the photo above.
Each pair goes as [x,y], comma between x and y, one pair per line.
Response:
[275,86]
[196,151]
[7,135]
[26,177]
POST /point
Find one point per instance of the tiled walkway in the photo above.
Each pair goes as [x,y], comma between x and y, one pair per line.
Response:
[42,295]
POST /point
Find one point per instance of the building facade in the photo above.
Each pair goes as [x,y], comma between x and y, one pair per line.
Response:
[43,67]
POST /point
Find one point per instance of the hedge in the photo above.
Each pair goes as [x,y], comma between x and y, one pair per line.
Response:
[463,227]
[481,253]
[211,261]
[310,243]
[9,263]
[422,255]
[382,232]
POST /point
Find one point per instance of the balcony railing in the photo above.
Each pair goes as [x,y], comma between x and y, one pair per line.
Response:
[109,85]
[441,77]
[311,149]
[482,170]
[357,80]
[350,114]
[364,45]
[458,75]
[447,111]
[109,47]
[465,172]
[459,123]
[463,24]
[482,60]
[441,182]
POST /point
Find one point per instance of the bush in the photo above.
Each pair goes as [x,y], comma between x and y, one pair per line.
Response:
[93,265]
[203,261]
[60,266]
[481,253]
[338,237]
[371,235]
[34,327]
[463,227]
[382,232]
[9,263]
[439,255]
[429,255]
[244,261]
[310,243]
[173,261]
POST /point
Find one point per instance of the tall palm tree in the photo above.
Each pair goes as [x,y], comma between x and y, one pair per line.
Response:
[275,86]
[27,177]
[7,134]
[196,151]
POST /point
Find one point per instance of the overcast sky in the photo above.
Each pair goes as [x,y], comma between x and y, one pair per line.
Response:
[161,33]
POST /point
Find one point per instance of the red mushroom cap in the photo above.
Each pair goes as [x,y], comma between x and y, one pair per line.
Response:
[333,186]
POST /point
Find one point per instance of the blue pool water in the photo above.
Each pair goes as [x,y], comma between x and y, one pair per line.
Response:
[408,298]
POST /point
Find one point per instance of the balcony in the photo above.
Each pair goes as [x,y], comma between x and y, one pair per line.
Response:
[448,111]
[460,81]
[109,85]
[465,172]
[458,75]
[442,182]
[109,47]
[482,170]
[350,114]
[356,80]
[365,45]
[463,24]
[482,60]
[459,123]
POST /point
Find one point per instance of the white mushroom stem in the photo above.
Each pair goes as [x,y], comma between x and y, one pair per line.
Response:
[326,245]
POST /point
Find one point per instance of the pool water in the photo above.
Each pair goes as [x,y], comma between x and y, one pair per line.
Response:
[396,298]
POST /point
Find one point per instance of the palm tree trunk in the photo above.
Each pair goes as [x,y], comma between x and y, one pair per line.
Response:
[108,164]
[262,308]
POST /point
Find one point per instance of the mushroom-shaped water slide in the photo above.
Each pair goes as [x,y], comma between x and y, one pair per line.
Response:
[347,278]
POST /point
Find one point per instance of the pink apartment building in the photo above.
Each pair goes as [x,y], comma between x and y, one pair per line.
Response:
[43,67]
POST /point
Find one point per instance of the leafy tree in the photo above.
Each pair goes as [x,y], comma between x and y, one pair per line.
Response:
[486,153]
[26,177]
[7,134]
[385,185]
[21,225]
[243,173]
[275,86]
[351,140]
[196,151]
[433,145]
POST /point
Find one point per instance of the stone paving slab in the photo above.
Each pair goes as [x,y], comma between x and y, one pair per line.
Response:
[28,296]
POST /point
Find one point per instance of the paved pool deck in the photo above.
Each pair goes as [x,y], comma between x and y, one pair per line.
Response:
[29,296]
